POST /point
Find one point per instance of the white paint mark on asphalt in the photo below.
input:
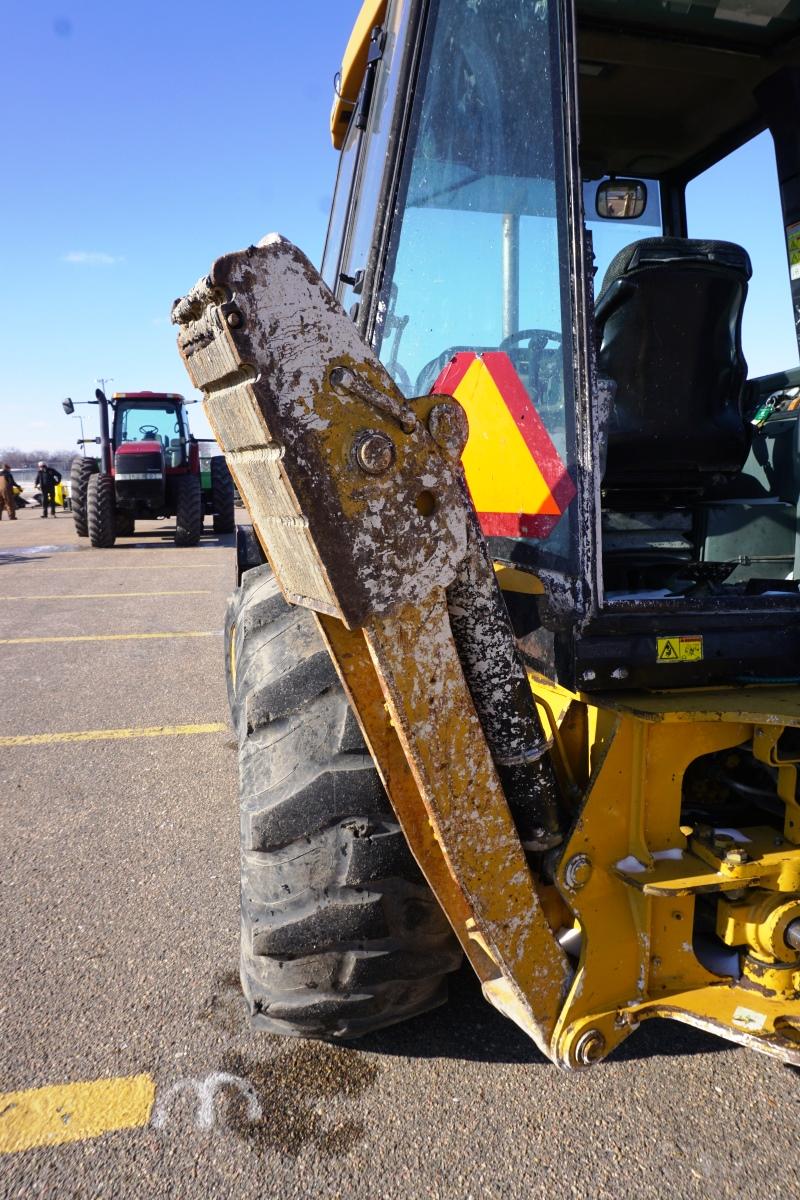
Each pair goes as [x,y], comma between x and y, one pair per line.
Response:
[205,1091]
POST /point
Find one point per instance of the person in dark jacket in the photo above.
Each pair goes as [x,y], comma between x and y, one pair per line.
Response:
[46,481]
[8,501]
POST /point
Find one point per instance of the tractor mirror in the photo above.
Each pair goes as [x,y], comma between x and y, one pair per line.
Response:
[621,199]
[68,406]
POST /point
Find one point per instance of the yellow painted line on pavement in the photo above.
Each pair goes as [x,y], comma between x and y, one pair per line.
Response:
[112,735]
[107,595]
[73,1112]
[108,637]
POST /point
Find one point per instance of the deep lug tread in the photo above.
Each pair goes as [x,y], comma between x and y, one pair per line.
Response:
[101,511]
[80,473]
[305,802]
[340,933]
[222,496]
[188,510]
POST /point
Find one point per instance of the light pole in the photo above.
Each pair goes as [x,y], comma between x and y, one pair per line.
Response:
[103,383]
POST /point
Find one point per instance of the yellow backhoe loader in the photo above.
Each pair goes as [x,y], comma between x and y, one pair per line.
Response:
[514,659]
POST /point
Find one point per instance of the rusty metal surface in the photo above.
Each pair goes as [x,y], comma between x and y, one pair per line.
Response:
[435,719]
[359,501]
[355,667]
[291,389]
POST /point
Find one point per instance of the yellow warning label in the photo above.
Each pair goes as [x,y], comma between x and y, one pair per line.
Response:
[687,648]
[793,244]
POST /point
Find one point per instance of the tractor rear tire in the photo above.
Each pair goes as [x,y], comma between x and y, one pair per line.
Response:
[80,473]
[101,512]
[341,934]
[222,505]
[188,510]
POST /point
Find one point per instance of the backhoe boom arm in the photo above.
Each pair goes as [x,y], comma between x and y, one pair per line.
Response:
[358,499]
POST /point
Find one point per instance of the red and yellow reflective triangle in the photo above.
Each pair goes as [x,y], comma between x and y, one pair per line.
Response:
[519,485]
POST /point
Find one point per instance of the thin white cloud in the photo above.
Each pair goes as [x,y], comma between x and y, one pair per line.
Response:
[92,258]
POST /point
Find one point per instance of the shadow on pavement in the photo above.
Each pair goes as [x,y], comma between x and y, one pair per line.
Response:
[7,558]
[469,1028]
[157,539]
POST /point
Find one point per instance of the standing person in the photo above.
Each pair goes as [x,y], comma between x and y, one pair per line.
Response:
[46,480]
[7,498]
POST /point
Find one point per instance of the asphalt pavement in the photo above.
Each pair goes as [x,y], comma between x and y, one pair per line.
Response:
[118,958]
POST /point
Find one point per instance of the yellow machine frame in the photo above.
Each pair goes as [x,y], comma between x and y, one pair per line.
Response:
[291,409]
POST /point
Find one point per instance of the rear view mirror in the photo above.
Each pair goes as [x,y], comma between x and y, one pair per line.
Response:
[621,199]
[68,406]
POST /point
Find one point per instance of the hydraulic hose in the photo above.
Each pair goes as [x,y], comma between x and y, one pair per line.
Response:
[502,696]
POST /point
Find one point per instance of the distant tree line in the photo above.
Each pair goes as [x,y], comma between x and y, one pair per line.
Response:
[29,458]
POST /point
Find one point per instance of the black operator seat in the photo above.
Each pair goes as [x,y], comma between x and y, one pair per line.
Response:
[669,319]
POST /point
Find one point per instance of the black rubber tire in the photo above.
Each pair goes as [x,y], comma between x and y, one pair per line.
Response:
[188,510]
[222,506]
[101,512]
[341,934]
[80,473]
[126,523]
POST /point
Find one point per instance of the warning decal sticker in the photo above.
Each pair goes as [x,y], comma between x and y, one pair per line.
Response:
[679,648]
[793,246]
[518,482]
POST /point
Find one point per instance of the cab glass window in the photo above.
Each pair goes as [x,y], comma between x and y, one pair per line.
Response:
[478,258]
[341,201]
[738,200]
[376,159]
[160,424]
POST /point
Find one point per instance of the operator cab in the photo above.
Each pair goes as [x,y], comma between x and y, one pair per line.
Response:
[701,484]
[153,417]
[593,207]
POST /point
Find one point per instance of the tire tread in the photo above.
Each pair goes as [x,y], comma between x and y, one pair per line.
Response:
[341,934]
[101,514]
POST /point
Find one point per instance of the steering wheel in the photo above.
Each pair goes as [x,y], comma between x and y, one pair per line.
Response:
[537,339]
[150,433]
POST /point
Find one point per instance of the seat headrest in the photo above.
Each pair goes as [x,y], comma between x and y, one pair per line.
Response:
[651,251]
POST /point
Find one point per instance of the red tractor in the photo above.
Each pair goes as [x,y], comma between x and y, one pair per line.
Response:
[149,467]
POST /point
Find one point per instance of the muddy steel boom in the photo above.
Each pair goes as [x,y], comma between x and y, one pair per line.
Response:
[584,712]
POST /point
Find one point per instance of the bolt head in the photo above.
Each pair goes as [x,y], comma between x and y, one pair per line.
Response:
[589,1047]
[339,377]
[375,452]
[449,427]
[736,857]
[577,871]
[234,319]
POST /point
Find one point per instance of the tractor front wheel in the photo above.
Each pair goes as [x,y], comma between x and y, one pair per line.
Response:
[81,471]
[188,510]
[222,506]
[341,934]
[101,513]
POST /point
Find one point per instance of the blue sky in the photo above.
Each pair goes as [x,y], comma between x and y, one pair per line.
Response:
[146,139]
[140,141]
